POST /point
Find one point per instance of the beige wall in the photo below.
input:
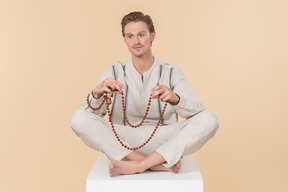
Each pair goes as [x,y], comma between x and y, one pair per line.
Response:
[234,54]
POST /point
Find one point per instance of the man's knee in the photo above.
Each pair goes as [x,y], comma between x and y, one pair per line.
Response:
[77,121]
[211,120]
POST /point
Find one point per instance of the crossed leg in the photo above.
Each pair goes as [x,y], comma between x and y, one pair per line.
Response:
[193,135]
[138,163]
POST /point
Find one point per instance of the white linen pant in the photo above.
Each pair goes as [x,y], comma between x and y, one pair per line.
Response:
[171,141]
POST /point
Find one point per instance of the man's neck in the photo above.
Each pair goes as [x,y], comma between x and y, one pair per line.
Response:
[143,63]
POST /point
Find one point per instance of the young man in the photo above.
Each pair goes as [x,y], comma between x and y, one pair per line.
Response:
[136,79]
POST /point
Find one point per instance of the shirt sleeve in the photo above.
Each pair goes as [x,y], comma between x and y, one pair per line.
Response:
[188,104]
[95,103]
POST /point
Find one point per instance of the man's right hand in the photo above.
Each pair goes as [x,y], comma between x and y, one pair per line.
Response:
[109,85]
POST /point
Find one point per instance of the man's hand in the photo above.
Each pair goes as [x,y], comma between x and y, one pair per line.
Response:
[107,86]
[165,94]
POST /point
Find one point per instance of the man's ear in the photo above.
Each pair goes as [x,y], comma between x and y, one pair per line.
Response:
[153,36]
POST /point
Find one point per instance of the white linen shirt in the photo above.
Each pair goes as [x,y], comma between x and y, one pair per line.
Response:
[137,92]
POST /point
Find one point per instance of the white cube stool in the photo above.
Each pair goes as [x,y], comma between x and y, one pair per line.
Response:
[188,179]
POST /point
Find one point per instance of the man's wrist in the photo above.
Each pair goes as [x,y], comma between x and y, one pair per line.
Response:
[96,96]
[177,100]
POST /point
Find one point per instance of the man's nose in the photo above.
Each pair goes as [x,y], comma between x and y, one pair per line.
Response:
[136,40]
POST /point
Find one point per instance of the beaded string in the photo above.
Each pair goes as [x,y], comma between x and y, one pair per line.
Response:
[95,109]
[124,112]
[106,98]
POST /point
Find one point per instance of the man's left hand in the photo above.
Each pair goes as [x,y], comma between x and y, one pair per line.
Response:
[165,94]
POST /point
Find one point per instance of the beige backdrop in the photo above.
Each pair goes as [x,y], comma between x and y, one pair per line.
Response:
[234,54]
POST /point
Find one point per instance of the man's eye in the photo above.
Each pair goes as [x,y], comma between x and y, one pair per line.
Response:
[141,35]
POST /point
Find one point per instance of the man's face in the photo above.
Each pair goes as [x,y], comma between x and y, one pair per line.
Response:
[137,38]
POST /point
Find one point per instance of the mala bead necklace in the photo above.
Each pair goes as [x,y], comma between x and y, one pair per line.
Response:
[95,109]
[124,112]
[106,98]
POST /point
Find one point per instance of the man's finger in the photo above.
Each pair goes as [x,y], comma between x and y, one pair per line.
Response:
[164,99]
[118,84]
[163,96]
[115,87]
[106,89]
[155,88]
[157,93]
[111,86]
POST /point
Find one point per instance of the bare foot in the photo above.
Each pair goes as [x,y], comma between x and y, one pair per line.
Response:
[178,166]
[132,167]
[124,168]
[174,169]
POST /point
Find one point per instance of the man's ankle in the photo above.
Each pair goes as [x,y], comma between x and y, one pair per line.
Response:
[141,166]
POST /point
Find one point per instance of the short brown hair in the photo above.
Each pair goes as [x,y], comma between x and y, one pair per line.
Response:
[135,17]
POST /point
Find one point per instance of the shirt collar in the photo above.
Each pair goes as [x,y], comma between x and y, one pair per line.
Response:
[130,65]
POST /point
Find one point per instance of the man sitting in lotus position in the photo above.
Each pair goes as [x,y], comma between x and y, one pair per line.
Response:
[135,145]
